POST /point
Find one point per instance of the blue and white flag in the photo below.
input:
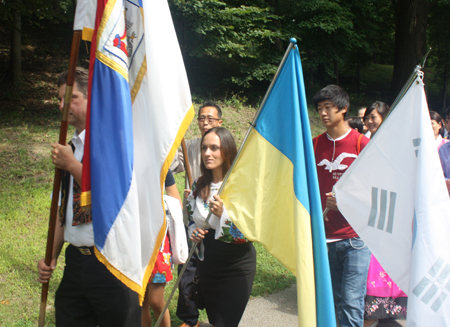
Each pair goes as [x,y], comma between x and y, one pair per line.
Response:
[394,196]
[139,108]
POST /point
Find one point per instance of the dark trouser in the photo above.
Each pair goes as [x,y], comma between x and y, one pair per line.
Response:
[89,295]
[186,309]
[226,280]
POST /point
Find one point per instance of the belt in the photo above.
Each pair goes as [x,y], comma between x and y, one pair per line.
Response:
[85,250]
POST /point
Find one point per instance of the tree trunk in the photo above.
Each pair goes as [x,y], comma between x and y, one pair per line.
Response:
[310,69]
[336,71]
[444,88]
[335,62]
[321,73]
[357,79]
[278,42]
[16,42]
[410,41]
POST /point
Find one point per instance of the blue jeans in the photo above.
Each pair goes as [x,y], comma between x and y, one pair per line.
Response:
[349,264]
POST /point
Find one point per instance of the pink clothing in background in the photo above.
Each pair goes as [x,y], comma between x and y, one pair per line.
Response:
[380,284]
[440,141]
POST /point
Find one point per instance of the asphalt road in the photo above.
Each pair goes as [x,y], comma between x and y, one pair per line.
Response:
[280,309]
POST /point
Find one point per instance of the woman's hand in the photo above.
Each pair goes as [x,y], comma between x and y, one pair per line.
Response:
[198,235]
[186,193]
[216,206]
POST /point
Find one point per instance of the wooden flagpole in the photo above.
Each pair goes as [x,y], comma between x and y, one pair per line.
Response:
[186,163]
[57,179]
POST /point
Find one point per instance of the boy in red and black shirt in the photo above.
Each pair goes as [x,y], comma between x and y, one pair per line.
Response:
[349,258]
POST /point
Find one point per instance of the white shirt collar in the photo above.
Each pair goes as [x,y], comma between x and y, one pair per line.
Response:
[80,136]
[341,137]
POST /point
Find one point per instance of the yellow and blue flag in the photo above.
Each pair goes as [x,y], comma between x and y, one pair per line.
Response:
[139,108]
[272,192]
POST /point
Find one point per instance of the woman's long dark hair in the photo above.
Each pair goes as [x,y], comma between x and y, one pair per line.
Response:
[227,149]
[437,118]
[381,107]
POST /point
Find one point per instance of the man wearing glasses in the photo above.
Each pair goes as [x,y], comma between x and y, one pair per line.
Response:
[209,116]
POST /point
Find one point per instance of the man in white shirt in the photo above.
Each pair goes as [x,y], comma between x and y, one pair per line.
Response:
[209,116]
[88,295]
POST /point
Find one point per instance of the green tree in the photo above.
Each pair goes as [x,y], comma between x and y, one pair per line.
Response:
[325,32]
[33,11]
[410,40]
[334,34]
[439,36]
[373,37]
[236,40]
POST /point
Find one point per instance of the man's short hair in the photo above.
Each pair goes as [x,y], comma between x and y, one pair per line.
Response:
[355,123]
[81,78]
[334,93]
[211,104]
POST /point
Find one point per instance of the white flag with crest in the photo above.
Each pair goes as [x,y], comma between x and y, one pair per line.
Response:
[395,198]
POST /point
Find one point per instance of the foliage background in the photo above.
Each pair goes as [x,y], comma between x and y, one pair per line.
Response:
[231,50]
[232,47]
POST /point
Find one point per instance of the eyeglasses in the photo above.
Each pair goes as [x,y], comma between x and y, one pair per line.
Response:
[210,119]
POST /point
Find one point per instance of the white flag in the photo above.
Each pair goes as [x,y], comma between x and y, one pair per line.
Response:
[85,18]
[139,110]
[395,198]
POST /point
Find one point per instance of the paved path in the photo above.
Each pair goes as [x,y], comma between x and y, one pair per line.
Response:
[280,309]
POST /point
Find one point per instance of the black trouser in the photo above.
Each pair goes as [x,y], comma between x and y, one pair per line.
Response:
[186,309]
[89,295]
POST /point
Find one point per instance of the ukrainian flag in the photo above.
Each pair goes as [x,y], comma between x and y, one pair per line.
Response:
[272,192]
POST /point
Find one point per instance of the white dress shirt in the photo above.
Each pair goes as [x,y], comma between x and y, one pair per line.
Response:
[83,234]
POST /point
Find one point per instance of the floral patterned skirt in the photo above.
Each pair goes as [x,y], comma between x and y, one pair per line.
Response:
[384,298]
[162,272]
[385,307]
